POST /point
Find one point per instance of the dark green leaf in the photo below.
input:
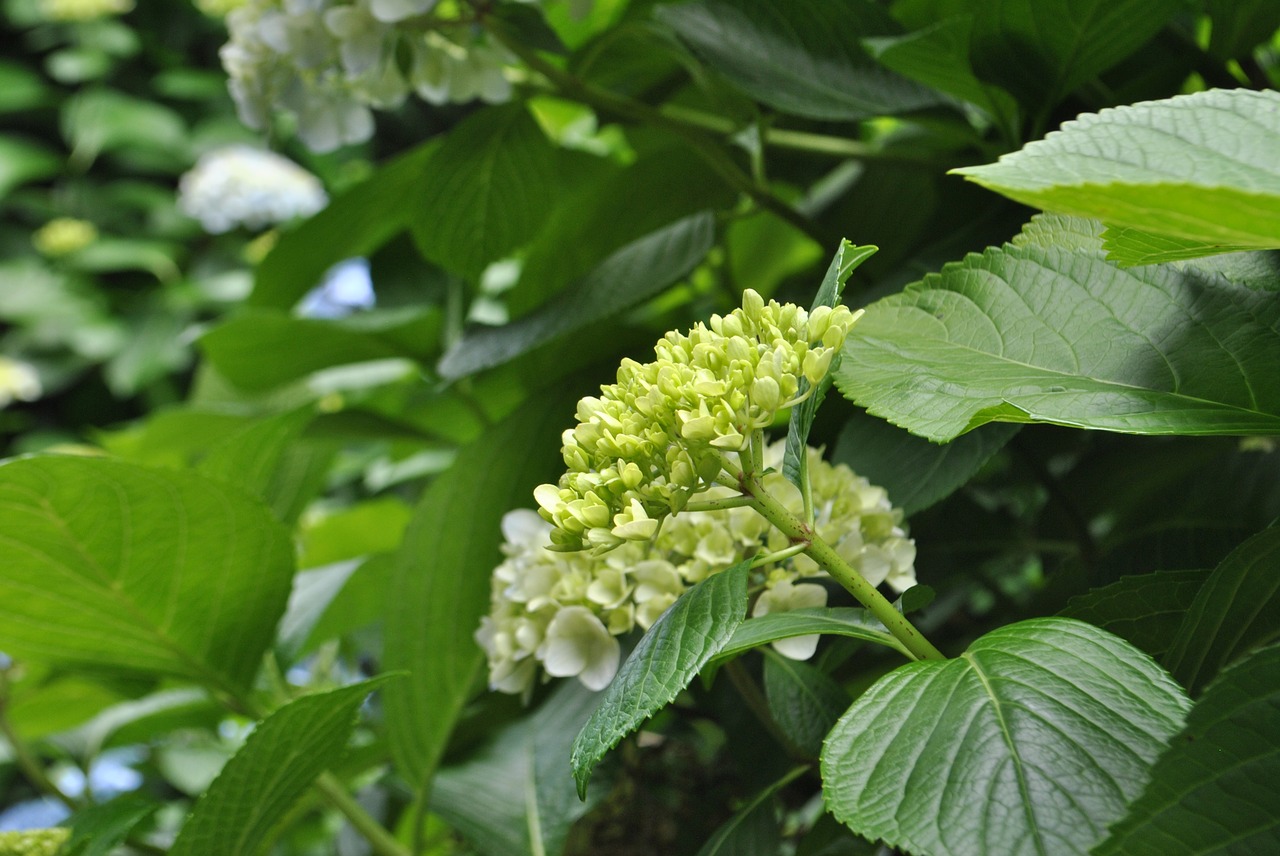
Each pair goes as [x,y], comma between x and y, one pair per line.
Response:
[799,56]
[271,771]
[98,829]
[672,652]
[1033,741]
[1240,25]
[1023,334]
[440,586]
[915,472]
[839,621]
[114,565]
[633,274]
[487,191]
[1199,167]
[753,830]
[523,771]
[299,346]
[1146,609]
[1216,788]
[795,460]
[1236,610]
[355,223]
[804,701]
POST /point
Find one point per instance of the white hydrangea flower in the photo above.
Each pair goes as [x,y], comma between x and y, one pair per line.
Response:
[242,186]
[390,11]
[540,599]
[18,382]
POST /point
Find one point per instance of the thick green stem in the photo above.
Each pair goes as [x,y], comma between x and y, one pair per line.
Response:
[823,553]
[718,504]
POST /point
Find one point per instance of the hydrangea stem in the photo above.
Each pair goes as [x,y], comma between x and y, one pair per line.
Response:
[822,553]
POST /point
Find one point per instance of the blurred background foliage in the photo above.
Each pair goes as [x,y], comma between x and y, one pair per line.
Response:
[475,260]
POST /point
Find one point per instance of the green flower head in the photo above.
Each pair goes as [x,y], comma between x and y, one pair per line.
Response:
[661,433]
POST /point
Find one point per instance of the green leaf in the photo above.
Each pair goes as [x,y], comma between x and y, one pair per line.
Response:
[313,591]
[938,56]
[112,565]
[804,701]
[523,771]
[267,459]
[105,120]
[838,621]
[1240,25]
[799,56]
[1145,610]
[683,640]
[260,349]
[354,223]
[22,161]
[1216,789]
[1236,610]
[440,585]
[1129,247]
[633,274]
[795,460]
[753,830]
[98,829]
[271,772]
[1032,741]
[1200,167]
[915,472]
[487,191]
[22,89]
[1023,334]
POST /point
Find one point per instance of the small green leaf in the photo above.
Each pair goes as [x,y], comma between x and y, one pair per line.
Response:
[523,770]
[799,56]
[915,472]
[795,462]
[106,120]
[1200,167]
[846,621]
[1025,334]
[633,274]
[1032,741]
[1129,247]
[98,829]
[1144,609]
[487,191]
[1236,610]
[440,585]
[113,565]
[672,652]
[270,773]
[1216,788]
[22,161]
[354,223]
[804,701]
[300,346]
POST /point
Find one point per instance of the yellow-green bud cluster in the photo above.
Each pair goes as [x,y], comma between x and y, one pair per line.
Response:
[558,614]
[660,434]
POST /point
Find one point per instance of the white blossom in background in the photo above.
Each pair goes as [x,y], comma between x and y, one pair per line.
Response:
[18,382]
[329,63]
[558,613]
[243,186]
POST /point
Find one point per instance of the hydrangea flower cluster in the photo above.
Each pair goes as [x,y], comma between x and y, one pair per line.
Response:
[661,433]
[330,62]
[242,186]
[560,612]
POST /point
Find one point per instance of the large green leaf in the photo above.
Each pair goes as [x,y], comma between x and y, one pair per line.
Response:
[354,223]
[1216,789]
[1025,334]
[1200,167]
[523,771]
[800,56]
[1031,742]
[915,472]
[487,191]
[671,653]
[440,585]
[1128,247]
[261,349]
[271,772]
[633,274]
[1237,609]
[1144,609]
[113,565]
